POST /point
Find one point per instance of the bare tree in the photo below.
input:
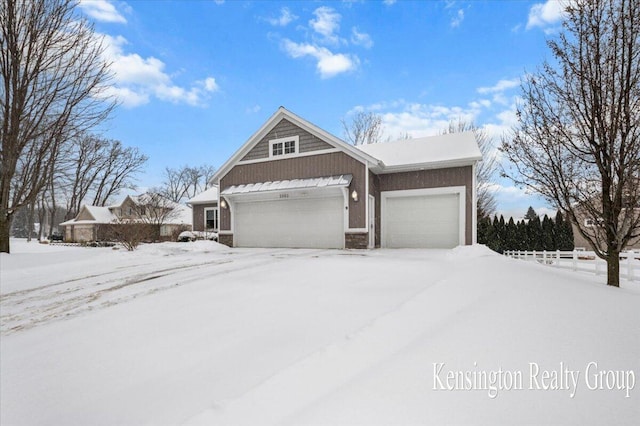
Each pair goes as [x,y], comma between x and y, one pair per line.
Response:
[155,209]
[52,85]
[83,168]
[364,128]
[117,171]
[486,170]
[186,182]
[577,142]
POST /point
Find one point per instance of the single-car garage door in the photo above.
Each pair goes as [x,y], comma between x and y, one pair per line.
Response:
[297,223]
[421,221]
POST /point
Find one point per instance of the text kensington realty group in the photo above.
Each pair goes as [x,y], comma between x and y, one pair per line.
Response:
[562,378]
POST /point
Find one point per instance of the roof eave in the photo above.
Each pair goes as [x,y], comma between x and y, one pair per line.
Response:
[428,166]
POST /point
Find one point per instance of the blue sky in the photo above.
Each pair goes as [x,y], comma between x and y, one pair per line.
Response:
[196,78]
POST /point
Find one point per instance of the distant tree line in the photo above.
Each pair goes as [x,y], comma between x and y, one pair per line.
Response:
[527,234]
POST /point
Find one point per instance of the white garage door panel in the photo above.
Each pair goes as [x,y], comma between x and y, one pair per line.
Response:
[300,223]
[428,221]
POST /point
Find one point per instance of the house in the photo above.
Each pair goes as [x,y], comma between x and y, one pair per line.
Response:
[91,222]
[293,184]
[581,243]
[204,210]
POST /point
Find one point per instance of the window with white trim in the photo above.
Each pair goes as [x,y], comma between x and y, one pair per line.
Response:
[211,218]
[284,146]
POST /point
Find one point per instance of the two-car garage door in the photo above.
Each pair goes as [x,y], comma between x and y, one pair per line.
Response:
[297,222]
[421,219]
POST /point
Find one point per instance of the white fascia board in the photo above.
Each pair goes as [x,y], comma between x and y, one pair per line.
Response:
[427,166]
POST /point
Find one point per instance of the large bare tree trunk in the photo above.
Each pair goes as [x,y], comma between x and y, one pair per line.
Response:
[5,229]
[613,269]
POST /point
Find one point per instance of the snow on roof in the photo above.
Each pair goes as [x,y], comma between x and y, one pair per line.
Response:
[208,196]
[320,182]
[99,214]
[430,151]
[181,216]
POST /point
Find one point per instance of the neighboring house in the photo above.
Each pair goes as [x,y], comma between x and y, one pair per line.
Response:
[293,184]
[581,243]
[91,221]
[85,226]
[204,209]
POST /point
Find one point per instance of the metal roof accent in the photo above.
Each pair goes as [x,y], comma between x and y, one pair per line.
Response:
[284,185]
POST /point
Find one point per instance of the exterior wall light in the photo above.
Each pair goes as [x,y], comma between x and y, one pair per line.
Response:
[354,195]
[223,204]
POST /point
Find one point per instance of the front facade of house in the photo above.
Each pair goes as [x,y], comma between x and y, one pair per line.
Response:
[294,185]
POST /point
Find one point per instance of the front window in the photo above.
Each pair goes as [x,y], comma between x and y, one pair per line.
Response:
[284,146]
[211,218]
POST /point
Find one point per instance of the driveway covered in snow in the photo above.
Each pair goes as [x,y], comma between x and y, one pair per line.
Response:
[203,334]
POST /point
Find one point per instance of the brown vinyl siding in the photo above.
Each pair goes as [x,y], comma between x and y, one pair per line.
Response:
[198,215]
[434,178]
[283,129]
[335,163]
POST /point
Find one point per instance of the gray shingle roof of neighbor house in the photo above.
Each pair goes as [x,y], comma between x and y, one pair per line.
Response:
[321,182]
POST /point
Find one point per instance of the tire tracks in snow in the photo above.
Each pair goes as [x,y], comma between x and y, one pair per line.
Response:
[25,309]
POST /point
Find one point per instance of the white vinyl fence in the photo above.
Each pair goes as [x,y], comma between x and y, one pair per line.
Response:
[585,261]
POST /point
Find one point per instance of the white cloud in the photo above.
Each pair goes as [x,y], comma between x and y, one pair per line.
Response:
[137,79]
[544,14]
[326,23]
[400,117]
[101,10]
[457,19]
[500,86]
[285,18]
[389,2]
[328,64]
[361,39]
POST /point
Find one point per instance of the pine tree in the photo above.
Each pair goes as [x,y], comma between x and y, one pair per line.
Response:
[522,236]
[484,224]
[564,233]
[511,236]
[534,231]
[531,214]
[548,231]
[493,239]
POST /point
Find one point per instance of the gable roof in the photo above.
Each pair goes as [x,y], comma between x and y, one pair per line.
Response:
[99,215]
[283,113]
[450,150]
[208,196]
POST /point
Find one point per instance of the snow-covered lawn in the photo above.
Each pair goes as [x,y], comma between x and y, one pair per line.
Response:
[198,333]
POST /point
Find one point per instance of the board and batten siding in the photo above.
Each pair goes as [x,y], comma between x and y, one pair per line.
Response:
[436,178]
[331,164]
[307,141]
[198,215]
